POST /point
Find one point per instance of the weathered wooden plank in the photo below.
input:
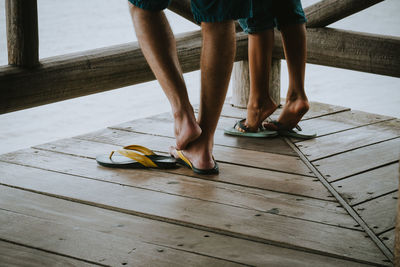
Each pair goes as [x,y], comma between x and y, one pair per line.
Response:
[95,246]
[353,50]
[230,173]
[327,12]
[22,33]
[233,221]
[249,198]
[388,239]
[328,145]
[379,213]
[156,232]
[341,121]
[368,185]
[359,160]
[225,154]
[16,255]
[164,127]
[94,71]
[316,110]
[397,230]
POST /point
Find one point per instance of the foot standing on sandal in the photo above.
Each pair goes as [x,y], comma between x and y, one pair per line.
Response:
[194,139]
[288,16]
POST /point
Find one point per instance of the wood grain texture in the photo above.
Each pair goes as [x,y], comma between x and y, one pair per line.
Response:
[232,174]
[255,199]
[233,221]
[327,12]
[341,121]
[22,33]
[316,110]
[397,231]
[224,154]
[17,255]
[99,70]
[155,232]
[368,185]
[96,246]
[379,213]
[340,142]
[359,160]
[388,239]
[162,125]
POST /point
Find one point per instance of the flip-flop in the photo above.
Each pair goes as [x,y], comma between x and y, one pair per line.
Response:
[296,132]
[129,159]
[183,160]
[261,131]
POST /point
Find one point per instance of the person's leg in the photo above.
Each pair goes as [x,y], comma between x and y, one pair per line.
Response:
[294,43]
[260,104]
[260,28]
[218,53]
[291,22]
[159,48]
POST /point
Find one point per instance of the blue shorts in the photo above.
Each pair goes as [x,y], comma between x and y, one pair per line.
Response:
[268,14]
[205,10]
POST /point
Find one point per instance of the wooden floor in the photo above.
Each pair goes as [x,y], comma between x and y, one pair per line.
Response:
[329,201]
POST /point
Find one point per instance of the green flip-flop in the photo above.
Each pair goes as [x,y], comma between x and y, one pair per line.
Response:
[261,132]
[296,132]
[183,160]
[127,158]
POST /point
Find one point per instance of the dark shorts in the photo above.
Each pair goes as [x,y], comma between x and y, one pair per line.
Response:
[205,10]
[268,14]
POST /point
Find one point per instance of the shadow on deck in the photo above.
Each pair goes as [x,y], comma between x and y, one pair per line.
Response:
[329,201]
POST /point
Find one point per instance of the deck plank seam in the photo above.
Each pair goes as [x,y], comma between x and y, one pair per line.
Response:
[53,252]
[373,198]
[364,171]
[197,253]
[344,130]
[226,162]
[349,209]
[353,149]
[199,227]
[166,136]
[163,192]
[180,174]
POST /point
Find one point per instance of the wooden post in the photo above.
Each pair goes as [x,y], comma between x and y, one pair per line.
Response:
[22,33]
[397,232]
[241,83]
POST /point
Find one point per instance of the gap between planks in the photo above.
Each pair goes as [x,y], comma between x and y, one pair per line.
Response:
[235,230]
[349,209]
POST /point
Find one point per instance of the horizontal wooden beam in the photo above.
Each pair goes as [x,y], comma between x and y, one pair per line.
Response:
[371,53]
[326,12]
[69,76]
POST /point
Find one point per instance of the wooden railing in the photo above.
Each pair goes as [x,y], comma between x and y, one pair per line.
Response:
[28,82]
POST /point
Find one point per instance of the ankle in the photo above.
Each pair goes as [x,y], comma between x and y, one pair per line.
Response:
[295,96]
[261,104]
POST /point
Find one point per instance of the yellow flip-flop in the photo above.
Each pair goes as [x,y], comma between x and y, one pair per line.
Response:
[129,159]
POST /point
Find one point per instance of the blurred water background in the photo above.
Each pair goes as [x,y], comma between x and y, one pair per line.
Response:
[76,25]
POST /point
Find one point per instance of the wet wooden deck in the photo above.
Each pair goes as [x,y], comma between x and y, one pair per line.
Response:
[329,201]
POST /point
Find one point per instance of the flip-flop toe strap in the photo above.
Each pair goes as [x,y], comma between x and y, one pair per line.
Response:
[142,149]
[142,159]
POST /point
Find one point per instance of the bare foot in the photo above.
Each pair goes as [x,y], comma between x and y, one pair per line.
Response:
[257,113]
[292,113]
[186,130]
[199,154]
